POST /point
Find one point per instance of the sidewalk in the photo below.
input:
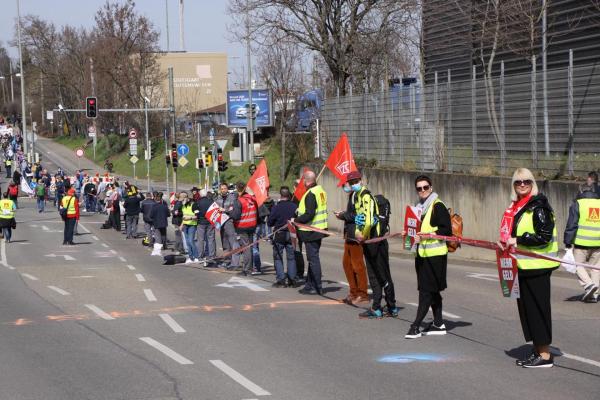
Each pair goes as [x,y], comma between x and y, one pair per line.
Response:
[69,162]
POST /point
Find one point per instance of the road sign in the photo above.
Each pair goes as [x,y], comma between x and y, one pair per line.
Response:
[211,136]
[183,149]
[79,152]
[50,115]
[222,143]
[134,159]
[92,131]
[133,146]
[183,161]
[132,134]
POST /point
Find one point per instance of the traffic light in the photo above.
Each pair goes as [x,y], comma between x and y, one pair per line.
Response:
[208,159]
[220,160]
[199,163]
[168,159]
[174,156]
[91,107]
[253,111]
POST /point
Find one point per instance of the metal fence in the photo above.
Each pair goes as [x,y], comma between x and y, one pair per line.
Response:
[475,126]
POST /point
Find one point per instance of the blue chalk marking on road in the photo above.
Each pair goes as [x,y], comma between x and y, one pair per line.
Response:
[410,358]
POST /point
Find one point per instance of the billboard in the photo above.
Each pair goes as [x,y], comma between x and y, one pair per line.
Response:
[237,103]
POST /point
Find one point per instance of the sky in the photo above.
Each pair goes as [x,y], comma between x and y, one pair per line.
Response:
[205,22]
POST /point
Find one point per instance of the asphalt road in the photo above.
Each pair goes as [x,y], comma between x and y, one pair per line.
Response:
[105,320]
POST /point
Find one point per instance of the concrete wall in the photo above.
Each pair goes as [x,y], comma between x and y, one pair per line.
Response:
[481,201]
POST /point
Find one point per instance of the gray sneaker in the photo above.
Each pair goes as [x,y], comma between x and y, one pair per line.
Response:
[590,290]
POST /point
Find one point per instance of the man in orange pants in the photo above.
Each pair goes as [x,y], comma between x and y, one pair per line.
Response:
[353,261]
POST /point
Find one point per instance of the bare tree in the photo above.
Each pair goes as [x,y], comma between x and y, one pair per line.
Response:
[334,29]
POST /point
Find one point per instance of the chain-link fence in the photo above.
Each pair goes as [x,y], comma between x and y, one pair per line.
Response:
[479,126]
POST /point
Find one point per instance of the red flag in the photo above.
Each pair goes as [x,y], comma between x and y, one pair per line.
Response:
[340,161]
[259,183]
[300,188]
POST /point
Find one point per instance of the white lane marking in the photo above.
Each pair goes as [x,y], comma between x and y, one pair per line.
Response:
[99,312]
[485,277]
[86,230]
[167,351]
[149,295]
[447,314]
[65,256]
[369,291]
[113,251]
[122,259]
[81,277]
[268,263]
[241,282]
[95,237]
[104,245]
[557,352]
[172,323]
[131,267]
[140,278]
[59,290]
[239,378]
[33,278]
[3,260]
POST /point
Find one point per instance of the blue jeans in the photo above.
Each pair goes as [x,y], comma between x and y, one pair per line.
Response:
[41,202]
[190,238]
[313,279]
[7,232]
[278,249]
[258,233]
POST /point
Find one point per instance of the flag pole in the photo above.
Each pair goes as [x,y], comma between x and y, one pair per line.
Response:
[321,173]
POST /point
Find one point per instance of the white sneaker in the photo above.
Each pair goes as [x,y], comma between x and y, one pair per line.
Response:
[188,261]
[196,260]
[433,330]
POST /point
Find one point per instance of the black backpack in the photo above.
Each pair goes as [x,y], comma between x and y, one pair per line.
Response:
[384,211]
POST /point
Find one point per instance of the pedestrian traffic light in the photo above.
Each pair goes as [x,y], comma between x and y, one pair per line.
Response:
[223,166]
[199,163]
[168,159]
[222,163]
[91,107]
[174,156]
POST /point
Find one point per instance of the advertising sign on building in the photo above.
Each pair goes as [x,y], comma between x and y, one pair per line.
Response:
[238,105]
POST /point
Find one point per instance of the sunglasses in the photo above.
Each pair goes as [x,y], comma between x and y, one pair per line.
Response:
[526,182]
[423,188]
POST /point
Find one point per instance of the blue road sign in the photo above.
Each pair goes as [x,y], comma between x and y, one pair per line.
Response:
[183,149]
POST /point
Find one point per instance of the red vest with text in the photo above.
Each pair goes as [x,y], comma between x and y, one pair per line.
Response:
[249,212]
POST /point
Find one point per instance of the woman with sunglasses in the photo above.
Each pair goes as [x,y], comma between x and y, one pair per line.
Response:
[528,224]
[431,260]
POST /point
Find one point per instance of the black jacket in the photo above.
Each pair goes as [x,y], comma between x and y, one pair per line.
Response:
[281,213]
[543,222]
[573,221]
[203,205]
[160,215]
[132,204]
[348,217]
[177,213]
[147,206]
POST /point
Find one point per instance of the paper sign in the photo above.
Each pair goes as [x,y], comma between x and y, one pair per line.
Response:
[508,274]
[215,216]
[412,225]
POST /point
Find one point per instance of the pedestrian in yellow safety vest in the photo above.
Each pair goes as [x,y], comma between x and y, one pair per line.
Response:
[8,210]
[583,235]
[528,224]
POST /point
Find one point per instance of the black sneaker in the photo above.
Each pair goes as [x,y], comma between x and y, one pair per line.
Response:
[371,314]
[280,284]
[527,359]
[413,333]
[433,330]
[590,290]
[539,362]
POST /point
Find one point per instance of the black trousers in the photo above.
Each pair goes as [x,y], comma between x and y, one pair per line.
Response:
[534,307]
[428,300]
[378,269]
[299,261]
[69,230]
[313,279]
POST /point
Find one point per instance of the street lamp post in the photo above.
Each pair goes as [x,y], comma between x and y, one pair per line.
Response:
[23,114]
[146,101]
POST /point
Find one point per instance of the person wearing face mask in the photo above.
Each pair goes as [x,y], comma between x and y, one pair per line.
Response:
[431,259]
[353,260]
[189,226]
[366,227]
[226,201]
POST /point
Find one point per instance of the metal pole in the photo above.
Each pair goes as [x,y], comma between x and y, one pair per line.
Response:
[181,42]
[93,82]
[148,151]
[545,78]
[23,114]
[449,120]
[250,121]
[474,115]
[12,89]
[167,16]
[172,115]
[42,99]
[571,125]
[502,121]
[282,171]
[198,154]
[533,113]
[166,140]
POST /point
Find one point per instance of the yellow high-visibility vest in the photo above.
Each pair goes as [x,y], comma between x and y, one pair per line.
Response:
[431,247]
[588,226]
[320,219]
[551,249]
[7,209]
[187,212]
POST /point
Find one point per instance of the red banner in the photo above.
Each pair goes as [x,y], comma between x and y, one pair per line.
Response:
[508,273]
[215,216]
[259,183]
[412,225]
[301,188]
[340,161]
